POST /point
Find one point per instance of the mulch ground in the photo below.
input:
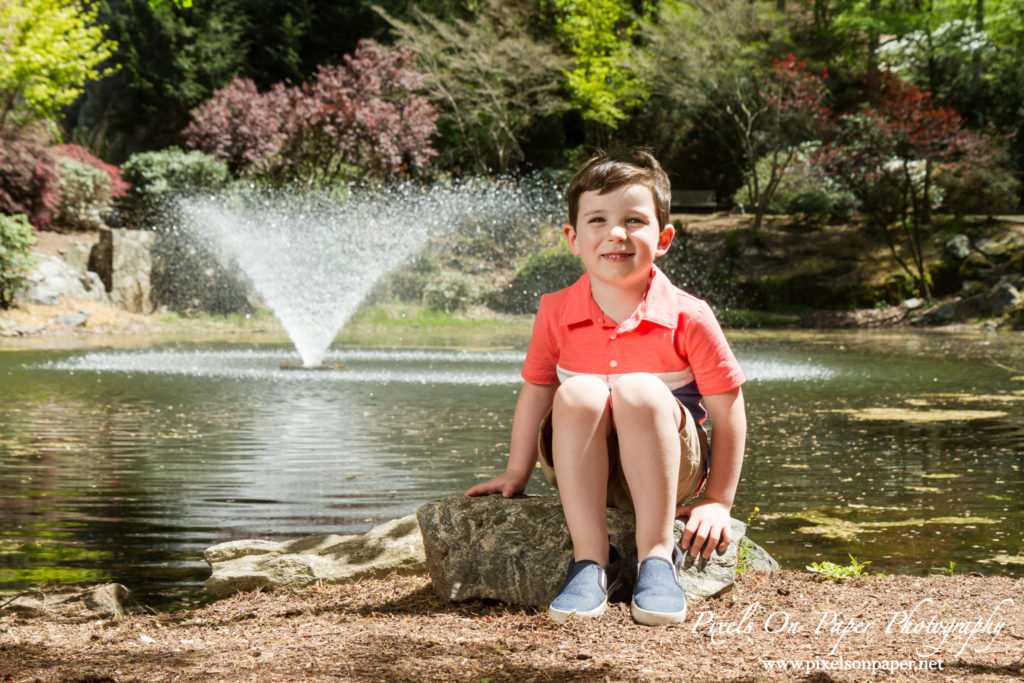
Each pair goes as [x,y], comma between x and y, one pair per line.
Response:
[397,629]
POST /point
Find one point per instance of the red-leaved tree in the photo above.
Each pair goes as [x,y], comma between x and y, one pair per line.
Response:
[361,117]
[886,154]
[118,186]
[786,108]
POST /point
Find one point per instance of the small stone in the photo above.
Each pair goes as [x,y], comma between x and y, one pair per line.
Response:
[759,558]
[943,314]
[913,303]
[991,248]
[1003,298]
[971,287]
[959,246]
[72,319]
[42,296]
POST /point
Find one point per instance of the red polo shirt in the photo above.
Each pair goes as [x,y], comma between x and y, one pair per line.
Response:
[671,334]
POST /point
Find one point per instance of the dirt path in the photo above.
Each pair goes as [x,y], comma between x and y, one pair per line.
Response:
[396,629]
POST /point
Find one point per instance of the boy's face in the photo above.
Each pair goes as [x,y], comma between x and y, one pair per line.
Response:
[617,235]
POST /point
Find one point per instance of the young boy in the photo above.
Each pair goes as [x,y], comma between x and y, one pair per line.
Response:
[616,369]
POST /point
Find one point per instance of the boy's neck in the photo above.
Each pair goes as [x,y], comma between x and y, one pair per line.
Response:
[618,303]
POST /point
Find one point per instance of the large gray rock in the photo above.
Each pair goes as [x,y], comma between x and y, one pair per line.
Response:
[51,278]
[123,259]
[394,546]
[518,550]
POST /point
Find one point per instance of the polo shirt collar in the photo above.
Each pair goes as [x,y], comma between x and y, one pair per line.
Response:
[657,307]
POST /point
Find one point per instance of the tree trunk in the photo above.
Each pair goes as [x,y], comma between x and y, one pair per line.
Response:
[873,41]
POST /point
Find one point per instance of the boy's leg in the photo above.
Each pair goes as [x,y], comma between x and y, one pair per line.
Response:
[647,418]
[581,423]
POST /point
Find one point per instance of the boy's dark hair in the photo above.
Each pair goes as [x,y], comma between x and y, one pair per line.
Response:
[606,171]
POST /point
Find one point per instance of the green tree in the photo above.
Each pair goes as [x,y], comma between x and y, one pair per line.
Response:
[170,59]
[712,85]
[491,80]
[50,48]
[601,83]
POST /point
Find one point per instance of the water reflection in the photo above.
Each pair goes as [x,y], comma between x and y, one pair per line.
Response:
[126,465]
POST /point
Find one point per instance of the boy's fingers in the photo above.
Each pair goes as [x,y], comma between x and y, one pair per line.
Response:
[688,531]
[723,544]
[713,542]
[699,538]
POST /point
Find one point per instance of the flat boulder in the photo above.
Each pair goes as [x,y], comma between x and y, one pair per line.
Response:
[109,599]
[394,546]
[517,550]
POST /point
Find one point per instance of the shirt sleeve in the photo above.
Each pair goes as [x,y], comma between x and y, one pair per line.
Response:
[541,362]
[714,366]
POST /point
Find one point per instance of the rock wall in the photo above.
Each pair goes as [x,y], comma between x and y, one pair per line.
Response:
[991,277]
[123,261]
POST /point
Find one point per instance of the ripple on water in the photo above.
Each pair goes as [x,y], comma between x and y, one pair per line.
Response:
[368,365]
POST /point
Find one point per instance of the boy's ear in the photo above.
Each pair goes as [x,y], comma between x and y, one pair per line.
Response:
[665,239]
[570,239]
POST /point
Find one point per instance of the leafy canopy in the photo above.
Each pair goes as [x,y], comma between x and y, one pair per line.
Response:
[598,33]
[50,49]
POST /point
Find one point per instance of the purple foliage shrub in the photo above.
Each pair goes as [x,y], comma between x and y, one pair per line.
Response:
[240,125]
[28,178]
[361,117]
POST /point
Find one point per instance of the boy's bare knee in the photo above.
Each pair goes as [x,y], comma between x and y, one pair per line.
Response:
[641,391]
[582,392]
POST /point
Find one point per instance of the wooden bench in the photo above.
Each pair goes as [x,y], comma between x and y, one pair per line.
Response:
[693,201]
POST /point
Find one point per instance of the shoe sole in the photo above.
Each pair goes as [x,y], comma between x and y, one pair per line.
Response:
[649,618]
[561,616]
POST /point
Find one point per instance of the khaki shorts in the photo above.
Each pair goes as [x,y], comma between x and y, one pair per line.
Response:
[693,461]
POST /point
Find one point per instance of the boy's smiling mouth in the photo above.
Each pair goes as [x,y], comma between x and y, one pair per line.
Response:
[617,255]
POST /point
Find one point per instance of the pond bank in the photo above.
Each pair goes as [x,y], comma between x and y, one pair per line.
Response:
[787,275]
[398,629]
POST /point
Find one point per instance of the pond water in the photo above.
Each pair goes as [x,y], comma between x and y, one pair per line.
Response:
[905,449]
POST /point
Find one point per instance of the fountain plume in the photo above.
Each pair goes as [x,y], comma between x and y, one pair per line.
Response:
[313,256]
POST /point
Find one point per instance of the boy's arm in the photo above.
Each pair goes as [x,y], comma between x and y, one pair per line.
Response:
[708,526]
[534,402]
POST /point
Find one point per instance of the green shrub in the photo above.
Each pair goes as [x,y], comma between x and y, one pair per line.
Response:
[805,190]
[836,572]
[449,291]
[156,177]
[409,283]
[85,195]
[982,189]
[545,271]
[15,258]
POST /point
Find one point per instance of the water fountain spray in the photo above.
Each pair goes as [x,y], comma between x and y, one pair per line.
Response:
[314,256]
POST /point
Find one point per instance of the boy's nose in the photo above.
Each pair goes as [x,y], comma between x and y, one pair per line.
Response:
[618,232]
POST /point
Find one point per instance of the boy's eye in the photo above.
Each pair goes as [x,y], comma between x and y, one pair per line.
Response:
[635,220]
[597,219]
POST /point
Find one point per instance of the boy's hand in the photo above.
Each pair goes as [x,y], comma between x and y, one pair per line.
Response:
[507,484]
[708,527]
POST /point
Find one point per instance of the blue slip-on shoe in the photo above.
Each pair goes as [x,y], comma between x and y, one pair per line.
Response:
[657,596]
[585,591]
